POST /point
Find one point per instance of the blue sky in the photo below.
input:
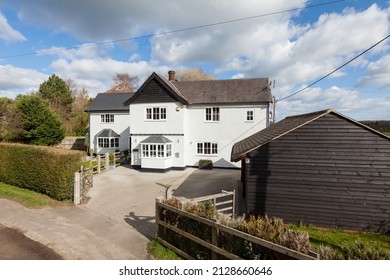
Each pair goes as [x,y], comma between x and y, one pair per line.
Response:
[293,48]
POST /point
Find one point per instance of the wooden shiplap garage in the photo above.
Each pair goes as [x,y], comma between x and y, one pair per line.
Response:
[320,168]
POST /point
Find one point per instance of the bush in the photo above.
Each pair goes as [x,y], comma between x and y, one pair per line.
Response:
[263,227]
[43,169]
[296,240]
[327,253]
[205,210]
[359,251]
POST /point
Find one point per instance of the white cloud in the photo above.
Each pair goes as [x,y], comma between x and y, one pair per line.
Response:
[378,73]
[15,80]
[7,33]
[95,72]
[345,101]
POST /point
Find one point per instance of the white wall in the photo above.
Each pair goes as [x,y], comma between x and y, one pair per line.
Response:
[172,128]
[231,128]
[186,126]
[120,126]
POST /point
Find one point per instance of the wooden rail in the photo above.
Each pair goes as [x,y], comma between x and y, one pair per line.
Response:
[173,236]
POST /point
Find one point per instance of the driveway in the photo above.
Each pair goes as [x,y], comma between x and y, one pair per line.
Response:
[127,196]
[118,220]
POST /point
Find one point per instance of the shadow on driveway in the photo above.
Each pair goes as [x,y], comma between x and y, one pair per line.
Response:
[143,224]
[207,182]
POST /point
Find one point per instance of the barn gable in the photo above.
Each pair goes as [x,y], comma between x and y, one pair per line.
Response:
[330,171]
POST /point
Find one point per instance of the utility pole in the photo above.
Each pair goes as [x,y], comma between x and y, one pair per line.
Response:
[274,111]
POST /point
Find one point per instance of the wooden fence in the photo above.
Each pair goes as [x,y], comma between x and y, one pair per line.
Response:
[193,237]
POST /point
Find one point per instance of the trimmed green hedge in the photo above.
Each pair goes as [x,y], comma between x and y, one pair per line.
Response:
[46,170]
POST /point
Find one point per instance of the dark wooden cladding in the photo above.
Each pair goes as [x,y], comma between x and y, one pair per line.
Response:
[331,172]
[154,92]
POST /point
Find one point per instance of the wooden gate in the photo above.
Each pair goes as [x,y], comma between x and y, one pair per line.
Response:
[83,182]
[224,202]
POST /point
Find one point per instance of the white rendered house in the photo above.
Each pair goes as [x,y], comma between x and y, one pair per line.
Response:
[176,124]
[109,122]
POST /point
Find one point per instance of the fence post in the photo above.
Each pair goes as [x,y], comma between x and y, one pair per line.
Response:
[77,188]
[98,164]
[214,241]
[107,161]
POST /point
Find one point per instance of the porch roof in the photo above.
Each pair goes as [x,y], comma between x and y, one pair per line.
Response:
[156,139]
[107,132]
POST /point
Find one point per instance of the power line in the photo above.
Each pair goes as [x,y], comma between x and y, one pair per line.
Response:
[169,32]
[338,68]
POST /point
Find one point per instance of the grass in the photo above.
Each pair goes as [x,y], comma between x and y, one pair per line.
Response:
[159,252]
[386,133]
[339,239]
[29,198]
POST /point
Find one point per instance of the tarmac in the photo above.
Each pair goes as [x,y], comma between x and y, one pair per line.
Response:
[118,220]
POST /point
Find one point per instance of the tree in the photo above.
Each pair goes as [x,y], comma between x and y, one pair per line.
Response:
[79,116]
[41,126]
[56,91]
[196,74]
[124,78]
[10,121]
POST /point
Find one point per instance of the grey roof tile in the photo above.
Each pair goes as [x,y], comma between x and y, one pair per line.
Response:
[109,102]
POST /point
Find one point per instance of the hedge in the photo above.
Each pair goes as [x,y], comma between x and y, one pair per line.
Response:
[47,170]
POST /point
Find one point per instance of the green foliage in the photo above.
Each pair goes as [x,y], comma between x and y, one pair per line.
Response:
[204,210]
[43,169]
[360,251]
[29,198]
[56,91]
[263,227]
[10,120]
[41,126]
[159,252]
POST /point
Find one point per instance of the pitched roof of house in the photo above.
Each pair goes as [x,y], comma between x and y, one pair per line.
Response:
[109,102]
[225,91]
[235,91]
[287,125]
[121,88]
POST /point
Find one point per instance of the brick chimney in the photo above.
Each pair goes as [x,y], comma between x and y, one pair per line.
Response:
[171,74]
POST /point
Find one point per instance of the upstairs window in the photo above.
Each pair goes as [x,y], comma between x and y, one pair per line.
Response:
[107,118]
[156,113]
[249,116]
[212,114]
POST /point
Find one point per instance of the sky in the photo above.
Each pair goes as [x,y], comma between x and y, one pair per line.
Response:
[293,42]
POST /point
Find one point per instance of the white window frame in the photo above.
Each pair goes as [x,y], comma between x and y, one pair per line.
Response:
[108,142]
[107,118]
[207,148]
[156,113]
[212,114]
[161,151]
[250,116]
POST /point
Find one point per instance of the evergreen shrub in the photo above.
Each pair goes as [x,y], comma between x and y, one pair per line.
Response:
[45,170]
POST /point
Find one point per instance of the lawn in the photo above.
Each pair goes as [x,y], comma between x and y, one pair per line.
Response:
[29,198]
[339,239]
[386,133]
[159,252]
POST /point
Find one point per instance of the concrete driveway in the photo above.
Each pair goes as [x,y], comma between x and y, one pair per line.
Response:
[128,196]
[118,220]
